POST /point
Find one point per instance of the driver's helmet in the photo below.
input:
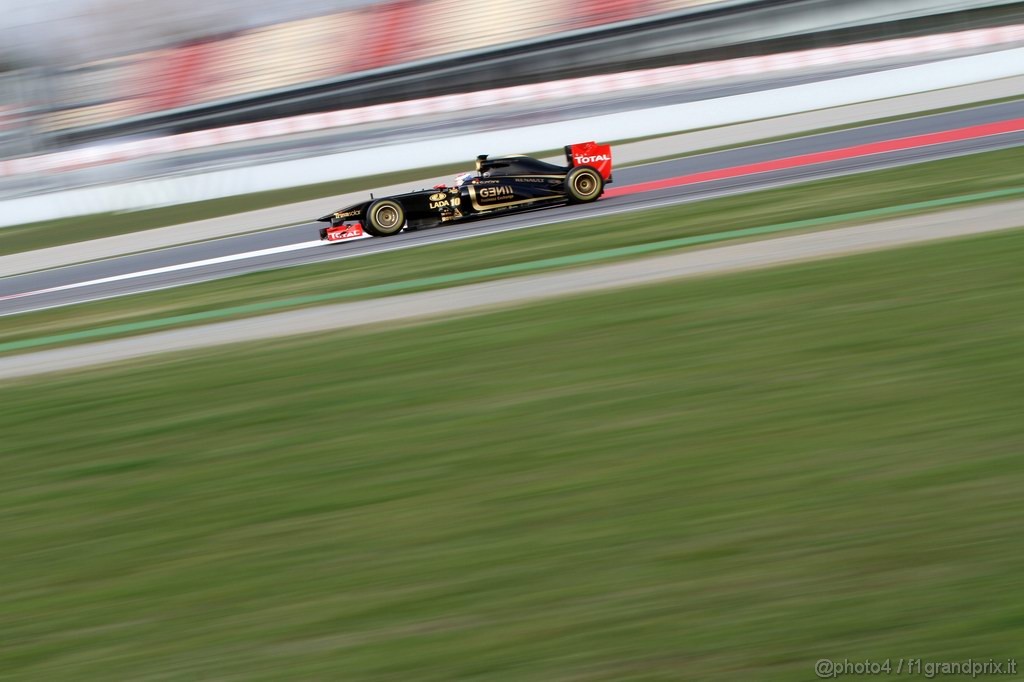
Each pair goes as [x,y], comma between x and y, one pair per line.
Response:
[466,178]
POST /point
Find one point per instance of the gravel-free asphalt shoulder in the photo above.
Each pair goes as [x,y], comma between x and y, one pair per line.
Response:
[474,298]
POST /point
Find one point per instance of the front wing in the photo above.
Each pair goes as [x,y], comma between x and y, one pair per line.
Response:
[343,233]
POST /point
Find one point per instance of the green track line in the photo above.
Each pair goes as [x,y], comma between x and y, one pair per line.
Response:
[516,268]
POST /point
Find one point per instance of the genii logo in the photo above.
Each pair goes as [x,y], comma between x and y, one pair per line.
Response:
[496,192]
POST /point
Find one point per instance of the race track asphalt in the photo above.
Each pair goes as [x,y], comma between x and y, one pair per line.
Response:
[467,299]
[177,266]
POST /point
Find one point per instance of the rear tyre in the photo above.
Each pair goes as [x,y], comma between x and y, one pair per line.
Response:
[583,184]
[384,218]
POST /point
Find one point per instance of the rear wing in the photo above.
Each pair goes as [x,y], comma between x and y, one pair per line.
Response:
[591,154]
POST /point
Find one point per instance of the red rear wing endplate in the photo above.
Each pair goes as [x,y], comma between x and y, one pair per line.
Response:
[591,154]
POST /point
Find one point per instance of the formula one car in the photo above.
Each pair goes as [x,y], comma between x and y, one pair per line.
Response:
[499,185]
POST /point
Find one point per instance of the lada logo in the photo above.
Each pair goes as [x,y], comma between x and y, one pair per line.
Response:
[438,196]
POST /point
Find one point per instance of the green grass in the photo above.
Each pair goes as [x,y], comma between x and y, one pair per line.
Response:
[719,479]
[921,182]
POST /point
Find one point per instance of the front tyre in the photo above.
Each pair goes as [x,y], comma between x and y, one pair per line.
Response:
[384,218]
[583,184]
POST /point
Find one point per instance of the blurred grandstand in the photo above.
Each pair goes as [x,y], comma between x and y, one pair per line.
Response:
[313,49]
[277,61]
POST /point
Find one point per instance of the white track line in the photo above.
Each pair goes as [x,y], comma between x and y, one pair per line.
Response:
[169,268]
[484,297]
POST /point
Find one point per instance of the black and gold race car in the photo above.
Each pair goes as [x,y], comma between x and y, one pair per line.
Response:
[498,185]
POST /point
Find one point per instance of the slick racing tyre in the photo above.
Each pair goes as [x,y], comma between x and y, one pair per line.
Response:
[583,184]
[384,218]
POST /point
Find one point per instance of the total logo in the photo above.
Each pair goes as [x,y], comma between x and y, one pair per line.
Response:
[592,159]
[345,232]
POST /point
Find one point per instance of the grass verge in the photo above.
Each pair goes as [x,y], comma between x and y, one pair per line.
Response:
[922,182]
[718,479]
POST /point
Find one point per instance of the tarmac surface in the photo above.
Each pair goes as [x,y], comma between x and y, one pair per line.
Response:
[299,244]
[476,298]
[635,152]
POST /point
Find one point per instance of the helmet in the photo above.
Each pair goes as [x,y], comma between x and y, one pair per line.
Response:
[465,178]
